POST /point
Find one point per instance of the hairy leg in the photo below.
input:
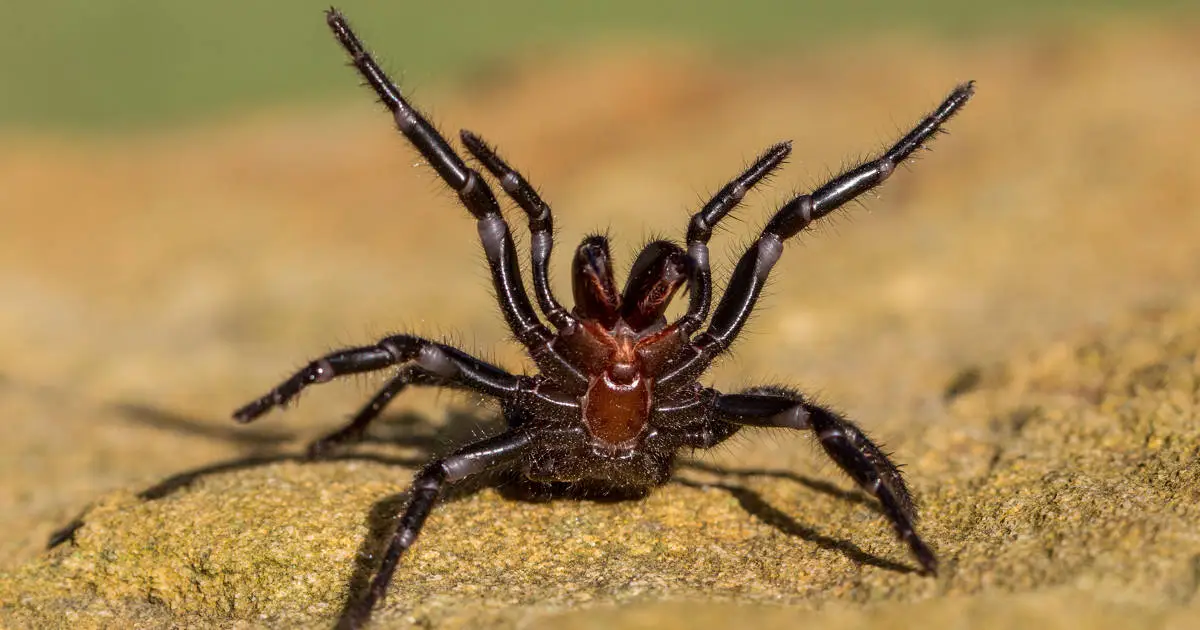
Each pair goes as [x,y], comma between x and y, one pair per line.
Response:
[475,195]
[541,225]
[354,430]
[750,274]
[491,453]
[843,442]
[442,361]
[700,231]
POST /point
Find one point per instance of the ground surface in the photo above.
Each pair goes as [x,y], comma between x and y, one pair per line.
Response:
[1016,317]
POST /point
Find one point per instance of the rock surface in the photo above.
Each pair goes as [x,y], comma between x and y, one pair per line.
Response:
[1059,478]
[1076,470]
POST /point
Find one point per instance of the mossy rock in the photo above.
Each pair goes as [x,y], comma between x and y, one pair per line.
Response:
[1065,491]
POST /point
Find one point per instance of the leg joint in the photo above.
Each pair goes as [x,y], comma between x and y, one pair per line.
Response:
[402,347]
[477,197]
[433,360]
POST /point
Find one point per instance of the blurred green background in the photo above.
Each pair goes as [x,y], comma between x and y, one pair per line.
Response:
[89,65]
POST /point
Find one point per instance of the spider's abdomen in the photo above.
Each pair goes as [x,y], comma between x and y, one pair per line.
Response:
[616,406]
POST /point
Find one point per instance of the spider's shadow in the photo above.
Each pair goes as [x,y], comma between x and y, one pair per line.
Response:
[416,432]
[261,448]
[754,504]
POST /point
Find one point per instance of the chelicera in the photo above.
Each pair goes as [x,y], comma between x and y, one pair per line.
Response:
[617,394]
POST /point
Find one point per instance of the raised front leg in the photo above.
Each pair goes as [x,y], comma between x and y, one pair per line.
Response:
[700,231]
[750,275]
[475,195]
[843,442]
[541,225]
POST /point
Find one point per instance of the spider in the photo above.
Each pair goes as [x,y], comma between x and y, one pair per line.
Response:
[616,395]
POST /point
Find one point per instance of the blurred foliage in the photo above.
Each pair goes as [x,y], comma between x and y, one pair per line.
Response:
[96,64]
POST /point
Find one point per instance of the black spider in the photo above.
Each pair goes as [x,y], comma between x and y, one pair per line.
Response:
[617,395]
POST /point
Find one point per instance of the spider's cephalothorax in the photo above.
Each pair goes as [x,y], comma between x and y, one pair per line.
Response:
[617,393]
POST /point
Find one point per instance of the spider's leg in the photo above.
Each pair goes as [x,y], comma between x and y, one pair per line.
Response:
[354,430]
[752,270]
[843,442]
[474,194]
[700,231]
[446,363]
[489,454]
[707,435]
[541,225]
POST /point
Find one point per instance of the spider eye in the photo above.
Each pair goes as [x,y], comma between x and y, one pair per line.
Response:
[596,295]
[657,274]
